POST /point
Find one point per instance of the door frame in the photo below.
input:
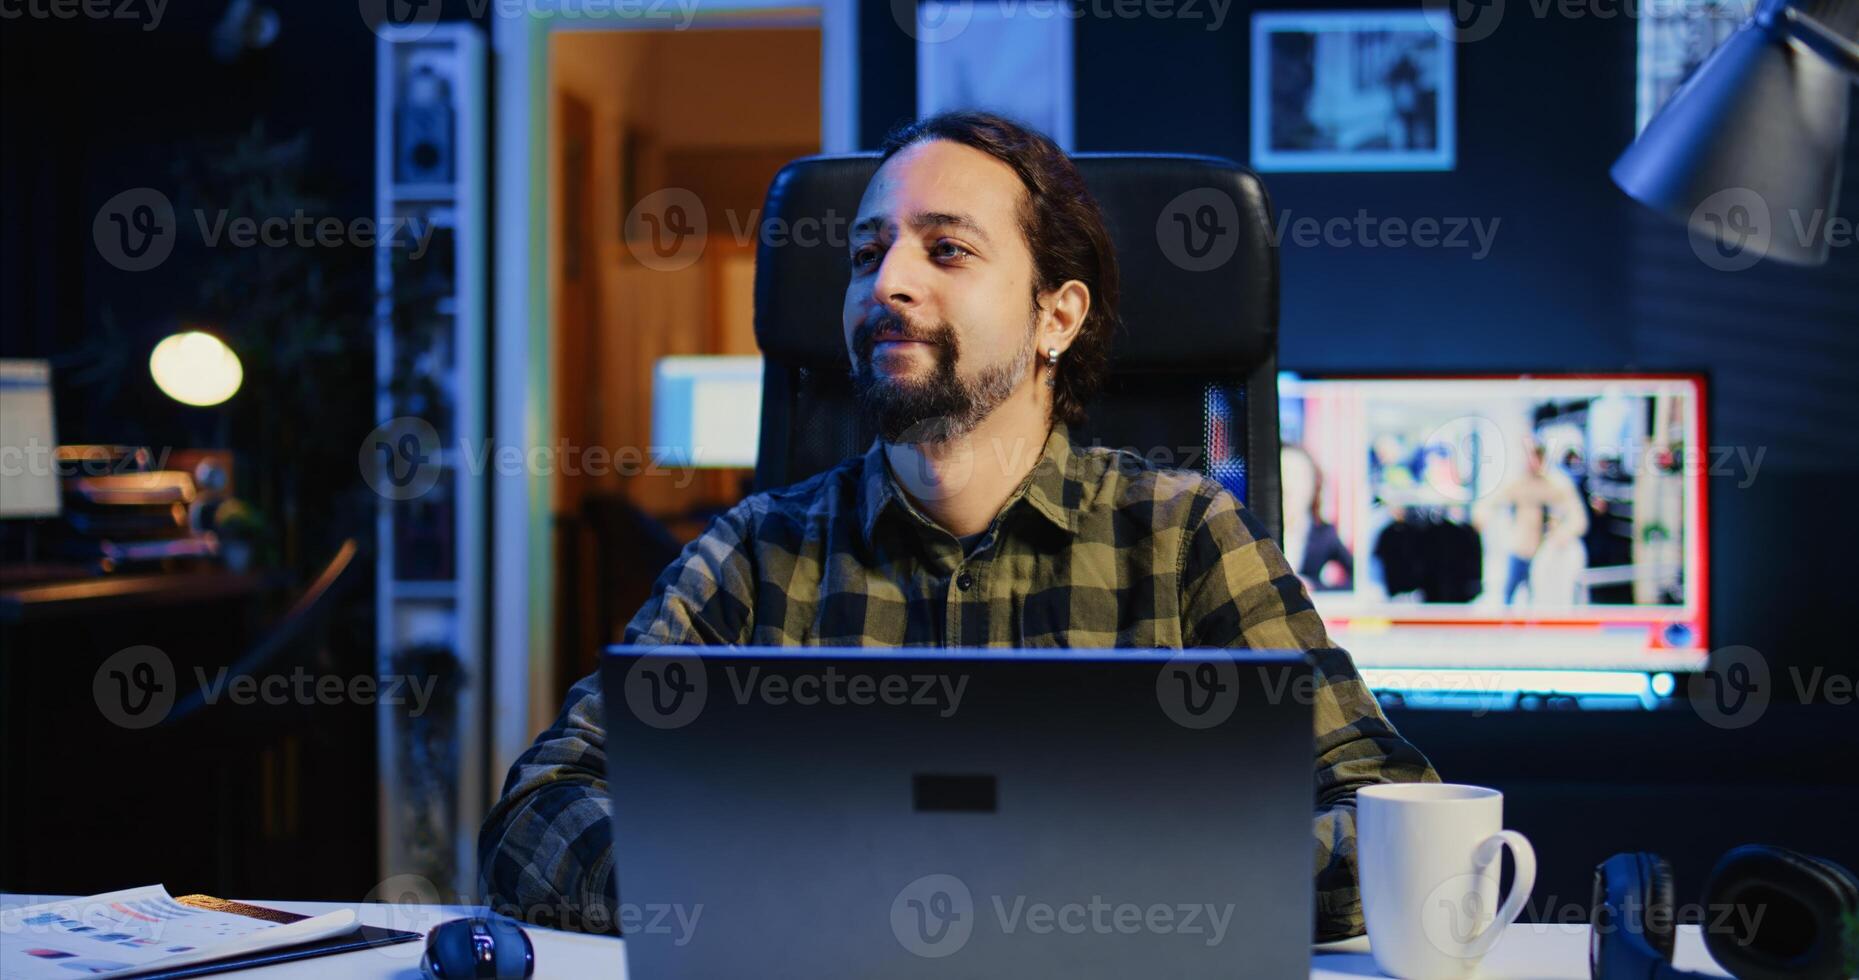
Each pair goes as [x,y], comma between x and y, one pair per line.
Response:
[520,605]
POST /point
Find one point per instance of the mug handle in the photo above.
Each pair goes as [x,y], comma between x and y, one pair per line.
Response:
[1525,857]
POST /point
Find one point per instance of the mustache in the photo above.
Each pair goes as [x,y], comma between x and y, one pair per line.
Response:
[891,325]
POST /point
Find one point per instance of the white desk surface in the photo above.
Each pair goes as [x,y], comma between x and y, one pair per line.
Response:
[1537,952]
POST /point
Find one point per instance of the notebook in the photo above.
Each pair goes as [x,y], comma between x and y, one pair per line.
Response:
[147,934]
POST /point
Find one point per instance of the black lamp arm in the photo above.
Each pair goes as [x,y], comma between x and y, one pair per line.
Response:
[1830,44]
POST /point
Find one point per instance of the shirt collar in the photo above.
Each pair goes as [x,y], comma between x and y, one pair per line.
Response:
[1052,489]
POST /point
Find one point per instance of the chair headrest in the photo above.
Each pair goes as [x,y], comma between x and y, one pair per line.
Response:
[1193,234]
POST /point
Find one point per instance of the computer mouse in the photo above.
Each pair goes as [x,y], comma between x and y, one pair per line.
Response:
[478,948]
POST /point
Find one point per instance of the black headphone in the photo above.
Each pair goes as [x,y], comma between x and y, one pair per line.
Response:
[1783,915]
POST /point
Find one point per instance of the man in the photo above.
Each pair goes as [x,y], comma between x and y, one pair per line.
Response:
[1547,521]
[978,317]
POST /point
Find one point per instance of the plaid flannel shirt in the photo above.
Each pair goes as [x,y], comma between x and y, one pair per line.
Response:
[1096,548]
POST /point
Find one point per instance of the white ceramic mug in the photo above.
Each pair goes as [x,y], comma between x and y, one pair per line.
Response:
[1428,856]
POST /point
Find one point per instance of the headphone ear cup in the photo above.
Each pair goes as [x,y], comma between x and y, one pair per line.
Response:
[1844,881]
[1786,914]
[1632,919]
[1841,883]
[1659,920]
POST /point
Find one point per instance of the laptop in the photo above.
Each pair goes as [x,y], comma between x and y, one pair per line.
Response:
[818,812]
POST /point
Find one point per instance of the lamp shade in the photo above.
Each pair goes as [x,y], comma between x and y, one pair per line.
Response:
[1748,150]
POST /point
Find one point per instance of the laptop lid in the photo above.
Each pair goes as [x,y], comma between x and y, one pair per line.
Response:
[911,813]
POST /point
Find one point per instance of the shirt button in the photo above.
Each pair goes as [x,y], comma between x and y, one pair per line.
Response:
[964,581]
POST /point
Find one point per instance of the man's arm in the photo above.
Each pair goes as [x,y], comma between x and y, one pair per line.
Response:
[1239,592]
[1489,504]
[545,852]
[1569,512]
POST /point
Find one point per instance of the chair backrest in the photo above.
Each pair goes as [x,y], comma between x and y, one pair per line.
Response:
[1193,381]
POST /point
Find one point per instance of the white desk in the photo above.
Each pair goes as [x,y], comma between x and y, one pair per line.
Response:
[1538,952]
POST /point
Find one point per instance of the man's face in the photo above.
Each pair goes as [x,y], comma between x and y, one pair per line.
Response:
[1533,453]
[939,319]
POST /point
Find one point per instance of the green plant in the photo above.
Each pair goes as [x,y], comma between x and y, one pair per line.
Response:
[237,520]
[299,317]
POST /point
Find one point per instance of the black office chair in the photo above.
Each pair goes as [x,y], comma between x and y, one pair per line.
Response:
[1193,370]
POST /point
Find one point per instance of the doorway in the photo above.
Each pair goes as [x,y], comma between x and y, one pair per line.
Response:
[662,145]
[703,119]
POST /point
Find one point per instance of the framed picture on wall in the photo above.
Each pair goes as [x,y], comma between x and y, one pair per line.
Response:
[1674,39]
[1350,91]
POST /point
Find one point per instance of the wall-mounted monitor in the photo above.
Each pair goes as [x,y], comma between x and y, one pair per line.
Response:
[1490,536]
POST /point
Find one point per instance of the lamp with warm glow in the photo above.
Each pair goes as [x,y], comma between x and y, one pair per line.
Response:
[194,367]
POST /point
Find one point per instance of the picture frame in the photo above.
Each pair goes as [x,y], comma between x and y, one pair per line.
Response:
[1352,90]
[980,56]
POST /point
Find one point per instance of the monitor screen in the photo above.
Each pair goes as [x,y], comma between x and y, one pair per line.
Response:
[1551,528]
[28,475]
[707,410]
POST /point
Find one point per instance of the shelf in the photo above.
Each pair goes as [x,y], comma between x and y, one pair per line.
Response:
[441,534]
[423,193]
[428,589]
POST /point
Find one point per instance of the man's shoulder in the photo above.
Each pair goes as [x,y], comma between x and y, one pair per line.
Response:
[1165,497]
[1121,479]
[797,503]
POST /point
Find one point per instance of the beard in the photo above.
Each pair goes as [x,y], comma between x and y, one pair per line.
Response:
[937,408]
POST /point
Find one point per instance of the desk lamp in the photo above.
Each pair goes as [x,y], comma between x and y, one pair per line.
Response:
[1759,127]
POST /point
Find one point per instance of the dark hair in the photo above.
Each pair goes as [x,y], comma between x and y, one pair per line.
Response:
[1064,229]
